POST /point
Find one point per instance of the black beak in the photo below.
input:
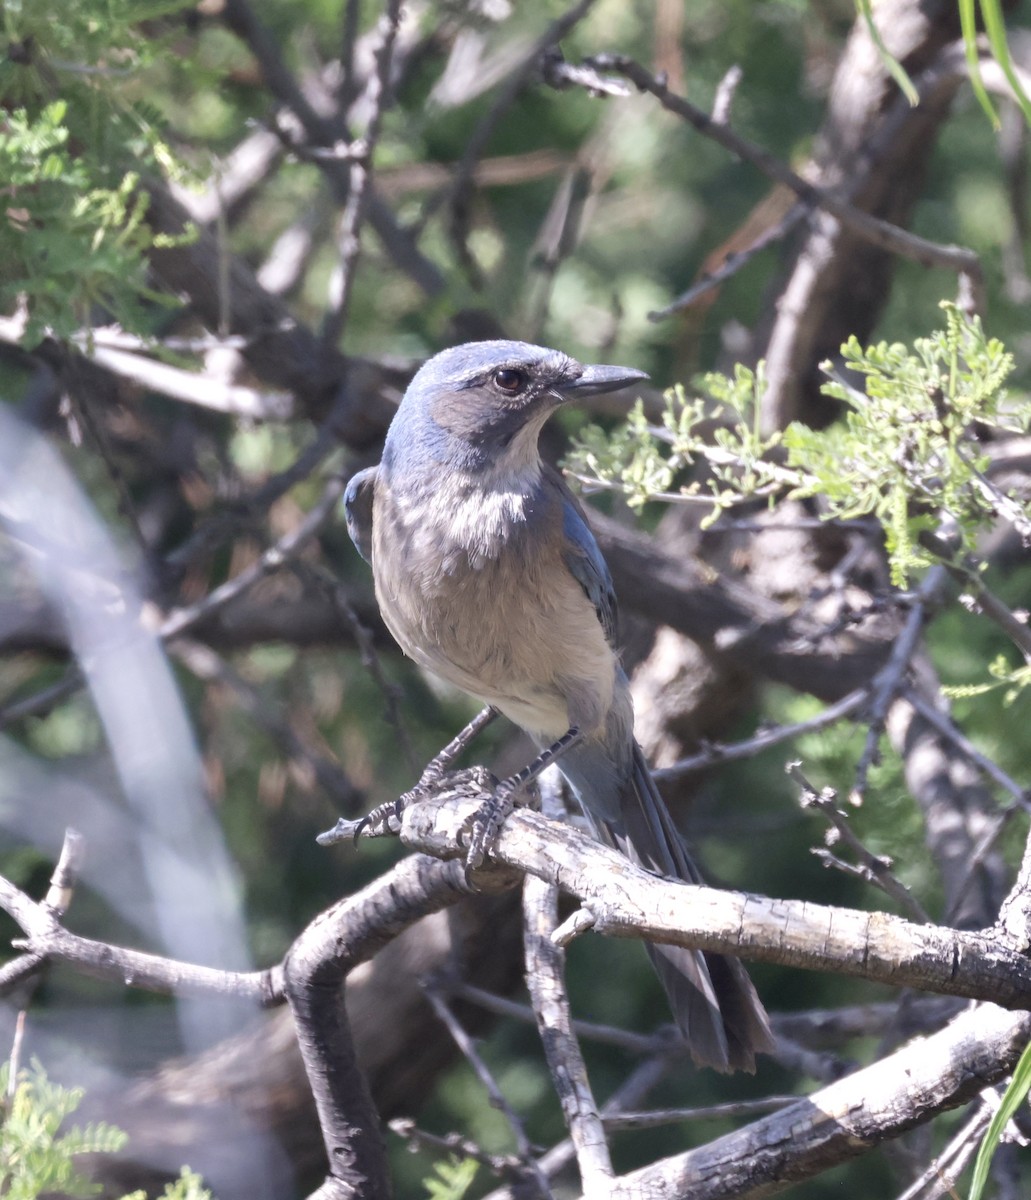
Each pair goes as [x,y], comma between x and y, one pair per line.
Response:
[596,380]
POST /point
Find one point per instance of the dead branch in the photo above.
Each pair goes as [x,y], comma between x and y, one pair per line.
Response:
[882,1101]
[621,900]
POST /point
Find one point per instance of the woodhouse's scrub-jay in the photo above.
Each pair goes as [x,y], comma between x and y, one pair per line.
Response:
[487,575]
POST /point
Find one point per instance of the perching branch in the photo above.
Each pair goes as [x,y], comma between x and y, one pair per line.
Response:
[625,901]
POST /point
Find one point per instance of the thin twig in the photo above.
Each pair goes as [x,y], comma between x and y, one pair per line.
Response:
[946,1166]
[889,679]
[507,1166]
[183,619]
[476,144]
[733,263]
[392,693]
[209,666]
[714,753]
[466,1045]
[880,233]
[349,241]
[873,868]
[944,725]
[976,860]
[42,701]
[98,435]
[631,1092]
[966,572]
[326,133]
[545,979]
[1003,506]
[665,1040]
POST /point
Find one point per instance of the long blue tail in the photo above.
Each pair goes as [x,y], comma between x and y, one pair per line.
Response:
[713,1000]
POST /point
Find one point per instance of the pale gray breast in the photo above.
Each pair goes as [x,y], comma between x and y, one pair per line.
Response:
[472,592]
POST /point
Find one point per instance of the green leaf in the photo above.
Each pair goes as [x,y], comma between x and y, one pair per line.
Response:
[891,63]
[991,12]
[968,27]
[1012,1099]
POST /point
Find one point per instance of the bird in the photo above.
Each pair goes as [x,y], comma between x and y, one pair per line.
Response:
[487,574]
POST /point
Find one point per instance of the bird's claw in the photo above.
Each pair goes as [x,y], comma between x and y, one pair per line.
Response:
[485,823]
[479,831]
[386,818]
[383,819]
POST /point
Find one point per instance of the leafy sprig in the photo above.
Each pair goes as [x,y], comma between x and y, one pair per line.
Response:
[37,1152]
[907,452]
[73,141]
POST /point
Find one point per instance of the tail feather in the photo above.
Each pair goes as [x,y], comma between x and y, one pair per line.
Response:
[713,999]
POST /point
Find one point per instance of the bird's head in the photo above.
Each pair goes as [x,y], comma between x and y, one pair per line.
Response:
[480,406]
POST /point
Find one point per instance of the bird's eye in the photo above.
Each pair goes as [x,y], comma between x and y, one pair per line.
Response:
[510,380]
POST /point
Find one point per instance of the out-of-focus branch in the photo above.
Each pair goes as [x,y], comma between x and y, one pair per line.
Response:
[734,621]
[378,91]
[891,677]
[278,348]
[457,197]
[526,1168]
[881,233]
[45,937]
[203,662]
[326,133]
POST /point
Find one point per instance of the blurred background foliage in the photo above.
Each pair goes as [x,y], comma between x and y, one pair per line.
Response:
[144,86]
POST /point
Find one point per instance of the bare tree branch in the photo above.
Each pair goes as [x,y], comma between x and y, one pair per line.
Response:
[625,901]
[545,978]
[882,1101]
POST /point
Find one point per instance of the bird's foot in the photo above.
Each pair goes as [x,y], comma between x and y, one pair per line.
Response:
[479,831]
[485,823]
[386,818]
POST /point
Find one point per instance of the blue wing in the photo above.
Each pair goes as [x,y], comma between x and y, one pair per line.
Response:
[358,497]
[584,560]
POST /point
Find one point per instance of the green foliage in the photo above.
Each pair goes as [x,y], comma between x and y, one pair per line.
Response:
[1012,1099]
[72,143]
[34,1157]
[37,1159]
[451,1179]
[189,1186]
[995,28]
[905,453]
[1011,681]
[642,461]
[991,15]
